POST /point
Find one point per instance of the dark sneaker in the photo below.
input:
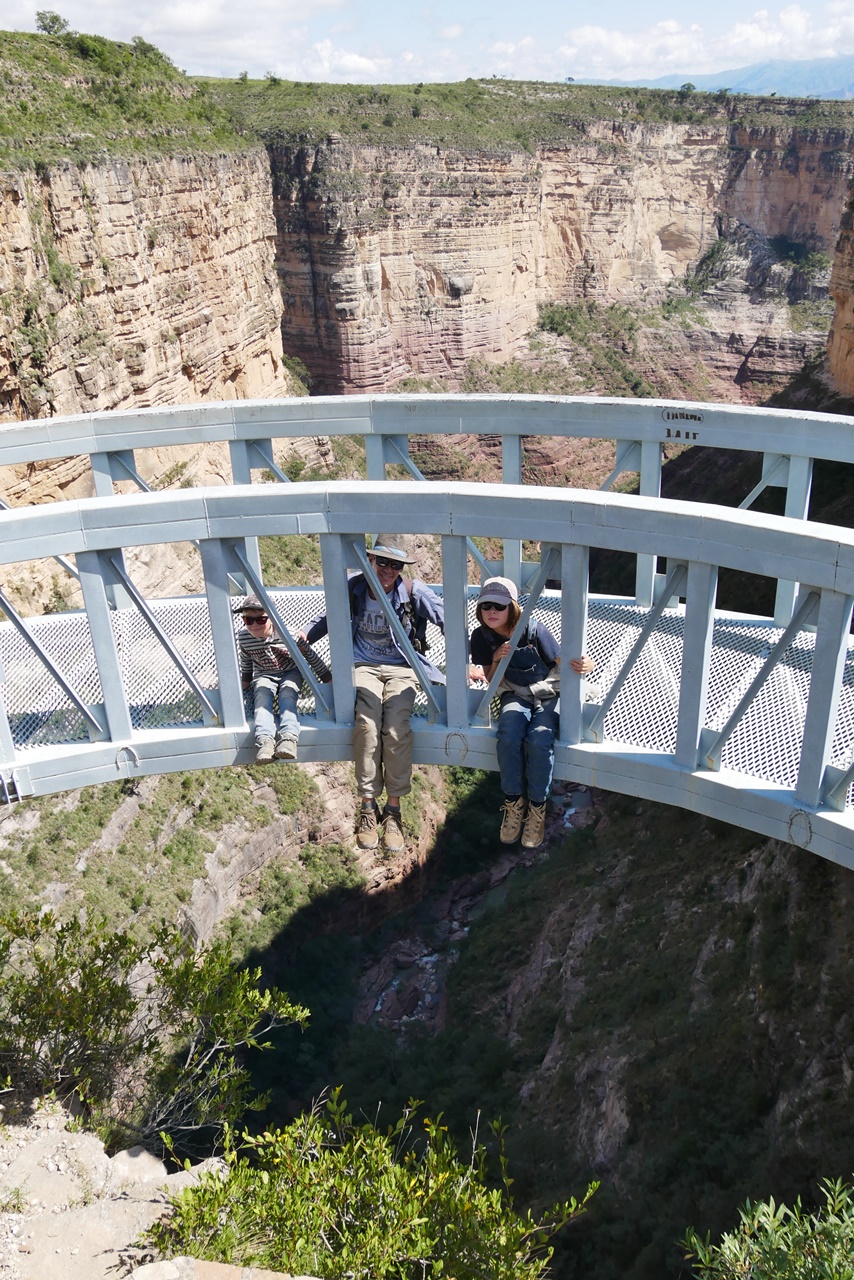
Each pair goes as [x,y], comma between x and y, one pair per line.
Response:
[511,822]
[394,841]
[367,828]
[535,826]
[265,749]
[286,747]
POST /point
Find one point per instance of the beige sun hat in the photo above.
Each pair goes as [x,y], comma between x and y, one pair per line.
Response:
[394,546]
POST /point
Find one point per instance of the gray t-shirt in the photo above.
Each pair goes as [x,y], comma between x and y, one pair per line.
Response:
[372,639]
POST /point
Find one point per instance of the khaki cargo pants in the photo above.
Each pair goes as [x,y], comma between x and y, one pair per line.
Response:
[382,736]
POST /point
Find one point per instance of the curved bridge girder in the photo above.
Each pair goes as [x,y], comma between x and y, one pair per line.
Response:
[789,442]
[731,716]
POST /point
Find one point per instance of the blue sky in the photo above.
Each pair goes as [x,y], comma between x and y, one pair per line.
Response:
[375,41]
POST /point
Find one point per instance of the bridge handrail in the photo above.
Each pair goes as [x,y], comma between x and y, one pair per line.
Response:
[741,427]
[788,440]
[811,810]
[773,546]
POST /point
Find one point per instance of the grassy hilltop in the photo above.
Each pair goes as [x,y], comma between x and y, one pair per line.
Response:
[489,114]
[84,98]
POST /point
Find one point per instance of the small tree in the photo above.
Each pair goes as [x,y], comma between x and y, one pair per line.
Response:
[146,1035]
[778,1243]
[51,23]
[327,1197]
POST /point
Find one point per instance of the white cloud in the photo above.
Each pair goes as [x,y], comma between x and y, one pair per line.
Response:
[791,33]
[369,40]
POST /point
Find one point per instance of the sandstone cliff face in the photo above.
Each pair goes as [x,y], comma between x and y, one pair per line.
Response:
[416,260]
[840,346]
[138,283]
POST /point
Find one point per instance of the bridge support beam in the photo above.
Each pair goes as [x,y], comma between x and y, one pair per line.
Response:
[511,473]
[650,487]
[831,644]
[574,581]
[95,580]
[333,555]
[454,574]
[696,657]
[215,569]
[798,489]
[240,452]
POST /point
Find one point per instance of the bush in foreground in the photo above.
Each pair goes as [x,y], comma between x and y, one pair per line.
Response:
[327,1197]
[778,1243]
[145,1035]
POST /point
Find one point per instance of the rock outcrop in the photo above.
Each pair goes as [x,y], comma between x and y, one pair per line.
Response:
[414,260]
[138,283]
[840,346]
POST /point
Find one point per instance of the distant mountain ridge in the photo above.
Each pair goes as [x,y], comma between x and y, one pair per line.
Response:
[812,78]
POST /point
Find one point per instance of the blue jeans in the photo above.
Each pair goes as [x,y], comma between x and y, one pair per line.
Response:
[264,689]
[526,746]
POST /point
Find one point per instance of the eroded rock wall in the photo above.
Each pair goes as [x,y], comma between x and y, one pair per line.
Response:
[840,344]
[415,260]
[138,283]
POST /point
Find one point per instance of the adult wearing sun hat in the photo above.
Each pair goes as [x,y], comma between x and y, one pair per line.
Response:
[385,685]
[529,715]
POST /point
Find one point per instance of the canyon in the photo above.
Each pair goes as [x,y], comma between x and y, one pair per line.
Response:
[168,278]
[165,279]
[417,260]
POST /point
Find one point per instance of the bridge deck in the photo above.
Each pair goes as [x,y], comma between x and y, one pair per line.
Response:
[766,746]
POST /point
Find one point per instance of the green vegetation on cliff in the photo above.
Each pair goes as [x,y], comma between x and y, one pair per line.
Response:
[337,1198]
[645,1006]
[84,98]
[491,114]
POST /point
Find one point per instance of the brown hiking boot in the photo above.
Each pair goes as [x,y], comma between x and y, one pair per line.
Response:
[367,828]
[535,826]
[264,750]
[511,822]
[394,841]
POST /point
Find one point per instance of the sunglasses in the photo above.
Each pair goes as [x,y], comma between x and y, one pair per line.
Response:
[256,619]
[495,608]
[382,563]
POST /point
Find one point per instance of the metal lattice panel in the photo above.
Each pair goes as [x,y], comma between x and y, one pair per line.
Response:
[646,709]
[766,745]
[40,713]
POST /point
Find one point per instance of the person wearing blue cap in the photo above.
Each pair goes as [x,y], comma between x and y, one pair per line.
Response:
[385,685]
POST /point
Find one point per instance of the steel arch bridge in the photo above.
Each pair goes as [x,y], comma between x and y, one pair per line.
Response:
[746,719]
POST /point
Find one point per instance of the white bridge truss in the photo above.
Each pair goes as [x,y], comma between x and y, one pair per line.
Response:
[749,720]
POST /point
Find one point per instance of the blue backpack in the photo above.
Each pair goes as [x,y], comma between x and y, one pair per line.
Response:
[526,667]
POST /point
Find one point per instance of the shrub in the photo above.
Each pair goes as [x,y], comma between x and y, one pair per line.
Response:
[146,1035]
[328,1197]
[779,1243]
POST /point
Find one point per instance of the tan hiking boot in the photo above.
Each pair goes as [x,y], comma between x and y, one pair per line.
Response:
[535,826]
[394,841]
[367,828]
[286,747]
[511,822]
[264,751]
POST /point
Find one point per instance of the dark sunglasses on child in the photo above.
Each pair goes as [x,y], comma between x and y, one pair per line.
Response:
[382,563]
[255,617]
[496,608]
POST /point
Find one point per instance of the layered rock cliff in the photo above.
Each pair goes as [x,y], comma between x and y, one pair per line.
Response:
[415,260]
[840,346]
[137,283]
